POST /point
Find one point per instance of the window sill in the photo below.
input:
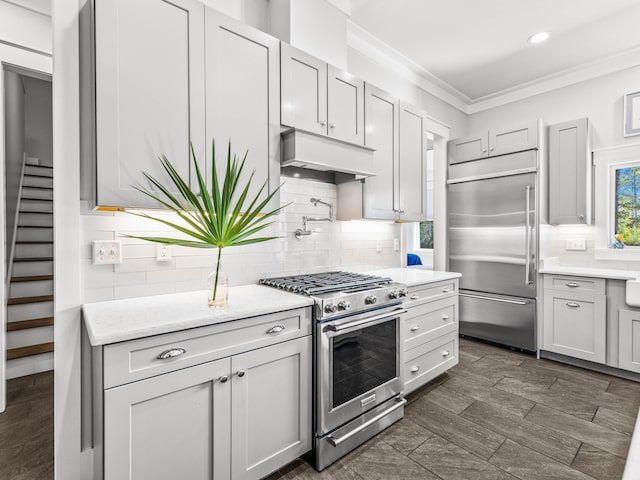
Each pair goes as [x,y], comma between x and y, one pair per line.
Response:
[628,253]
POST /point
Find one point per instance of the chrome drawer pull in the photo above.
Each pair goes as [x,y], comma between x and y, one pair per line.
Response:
[241,373]
[415,369]
[573,304]
[415,297]
[446,290]
[415,328]
[446,353]
[275,329]
[572,284]
[223,379]
[172,352]
[445,317]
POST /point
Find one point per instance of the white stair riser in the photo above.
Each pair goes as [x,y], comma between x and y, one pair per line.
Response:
[35,234]
[29,311]
[29,336]
[36,206]
[36,219]
[37,182]
[37,193]
[25,269]
[20,367]
[34,250]
[35,170]
[31,289]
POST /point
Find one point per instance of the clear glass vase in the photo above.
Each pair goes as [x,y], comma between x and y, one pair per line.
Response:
[218,287]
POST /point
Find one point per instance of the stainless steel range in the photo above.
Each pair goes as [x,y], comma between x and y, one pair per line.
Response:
[358,389]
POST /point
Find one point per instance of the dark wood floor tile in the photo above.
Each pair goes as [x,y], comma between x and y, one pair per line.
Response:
[304,471]
[614,420]
[42,472]
[383,462]
[498,398]
[451,400]
[598,463]
[466,358]
[624,388]
[570,373]
[487,377]
[11,460]
[526,464]
[613,442]
[532,376]
[462,432]
[405,436]
[532,435]
[625,405]
[451,462]
[558,399]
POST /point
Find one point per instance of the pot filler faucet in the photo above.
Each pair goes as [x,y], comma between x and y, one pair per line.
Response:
[299,233]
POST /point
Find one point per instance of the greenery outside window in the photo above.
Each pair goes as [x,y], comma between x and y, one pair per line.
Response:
[426,234]
[627,205]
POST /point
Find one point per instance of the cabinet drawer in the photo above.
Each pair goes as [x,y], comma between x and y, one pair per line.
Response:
[427,321]
[431,291]
[429,360]
[576,284]
[137,359]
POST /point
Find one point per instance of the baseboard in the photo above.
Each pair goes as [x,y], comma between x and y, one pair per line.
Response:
[577,362]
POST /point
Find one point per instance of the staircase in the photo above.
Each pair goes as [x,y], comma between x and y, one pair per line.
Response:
[30,294]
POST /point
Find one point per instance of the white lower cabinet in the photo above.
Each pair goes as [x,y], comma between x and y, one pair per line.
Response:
[629,340]
[240,417]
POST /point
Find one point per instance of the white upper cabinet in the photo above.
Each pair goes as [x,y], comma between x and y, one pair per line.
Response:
[412,168]
[149,93]
[242,91]
[468,148]
[320,98]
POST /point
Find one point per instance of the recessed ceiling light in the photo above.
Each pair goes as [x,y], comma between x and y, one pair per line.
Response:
[538,37]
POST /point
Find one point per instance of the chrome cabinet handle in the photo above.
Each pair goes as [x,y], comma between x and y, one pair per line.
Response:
[323,123]
[172,352]
[241,373]
[572,304]
[572,284]
[580,217]
[224,378]
[491,149]
[446,290]
[415,328]
[332,125]
[275,329]
[400,211]
[415,297]
[484,150]
[415,369]
[445,317]
[446,353]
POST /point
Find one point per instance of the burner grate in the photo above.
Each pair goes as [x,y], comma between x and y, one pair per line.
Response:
[319,283]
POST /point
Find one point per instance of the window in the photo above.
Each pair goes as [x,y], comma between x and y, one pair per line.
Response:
[426,234]
[426,228]
[627,205]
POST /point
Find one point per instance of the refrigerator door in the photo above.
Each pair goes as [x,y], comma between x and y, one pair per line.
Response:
[492,234]
[498,318]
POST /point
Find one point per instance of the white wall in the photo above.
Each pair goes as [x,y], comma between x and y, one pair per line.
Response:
[27,26]
[38,120]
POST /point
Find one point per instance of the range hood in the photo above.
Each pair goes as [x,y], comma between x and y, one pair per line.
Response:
[319,152]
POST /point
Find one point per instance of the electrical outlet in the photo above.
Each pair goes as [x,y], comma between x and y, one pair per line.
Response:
[163,253]
[396,244]
[107,252]
[578,244]
[378,246]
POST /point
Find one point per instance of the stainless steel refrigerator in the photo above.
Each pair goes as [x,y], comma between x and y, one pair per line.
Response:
[493,241]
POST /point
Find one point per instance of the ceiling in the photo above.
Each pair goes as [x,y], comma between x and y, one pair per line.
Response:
[479,49]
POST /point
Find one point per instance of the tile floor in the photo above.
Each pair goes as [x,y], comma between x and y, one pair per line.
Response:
[26,429]
[499,415]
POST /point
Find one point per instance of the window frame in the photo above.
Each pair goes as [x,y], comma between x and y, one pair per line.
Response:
[612,200]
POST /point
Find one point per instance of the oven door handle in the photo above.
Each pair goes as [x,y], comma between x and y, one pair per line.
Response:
[345,326]
[401,402]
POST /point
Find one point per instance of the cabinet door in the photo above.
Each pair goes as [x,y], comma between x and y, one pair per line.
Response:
[381,133]
[345,106]
[242,71]
[575,324]
[304,90]
[271,412]
[629,332]
[412,168]
[467,148]
[149,93]
[175,425]
[569,173]
[510,140]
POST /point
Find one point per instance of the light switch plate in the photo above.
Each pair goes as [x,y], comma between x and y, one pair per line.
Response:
[578,244]
[163,253]
[396,244]
[107,252]
[378,246]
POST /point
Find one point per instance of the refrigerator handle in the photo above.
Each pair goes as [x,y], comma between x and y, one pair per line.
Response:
[527,231]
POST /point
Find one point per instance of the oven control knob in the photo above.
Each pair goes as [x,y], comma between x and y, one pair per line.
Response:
[344,305]
[394,294]
[330,308]
[403,292]
[370,299]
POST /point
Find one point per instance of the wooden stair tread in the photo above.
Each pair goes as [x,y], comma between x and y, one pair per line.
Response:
[29,350]
[38,166]
[35,211]
[31,278]
[33,259]
[38,199]
[25,324]
[35,226]
[32,242]
[38,175]
[35,299]
[37,186]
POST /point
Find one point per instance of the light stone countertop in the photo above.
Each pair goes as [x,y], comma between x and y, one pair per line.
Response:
[121,320]
[590,272]
[411,276]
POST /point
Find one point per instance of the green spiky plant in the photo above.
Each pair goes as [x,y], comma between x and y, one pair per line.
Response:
[222,217]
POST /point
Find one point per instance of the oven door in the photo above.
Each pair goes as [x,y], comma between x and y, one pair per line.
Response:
[359,364]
